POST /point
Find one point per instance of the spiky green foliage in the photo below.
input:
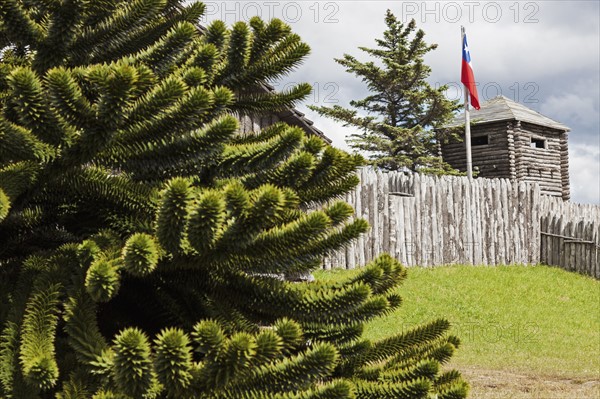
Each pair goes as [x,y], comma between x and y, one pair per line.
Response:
[143,243]
[395,121]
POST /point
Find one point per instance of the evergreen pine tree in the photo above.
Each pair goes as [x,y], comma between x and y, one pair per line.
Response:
[396,120]
[141,239]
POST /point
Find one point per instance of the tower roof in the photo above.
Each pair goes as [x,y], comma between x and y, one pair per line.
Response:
[293,117]
[501,108]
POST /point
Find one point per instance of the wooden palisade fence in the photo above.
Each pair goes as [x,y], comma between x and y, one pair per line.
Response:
[570,236]
[429,221]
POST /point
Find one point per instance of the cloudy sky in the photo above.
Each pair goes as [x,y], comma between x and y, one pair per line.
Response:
[543,54]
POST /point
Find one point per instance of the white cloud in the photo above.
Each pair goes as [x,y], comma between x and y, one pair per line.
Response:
[584,165]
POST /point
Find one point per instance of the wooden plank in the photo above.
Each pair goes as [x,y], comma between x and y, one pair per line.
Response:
[555,244]
[543,239]
[551,244]
[428,219]
[531,235]
[512,216]
[422,241]
[374,215]
[446,207]
[588,259]
[410,217]
[379,203]
[415,242]
[504,198]
[569,261]
[437,239]
[498,224]
[477,223]
[535,236]
[477,240]
[386,214]
[596,255]
[406,220]
[368,214]
[487,220]
[360,243]
[400,236]
[393,225]
[573,256]
[402,220]
[462,221]
[580,257]
[469,238]
[459,232]
[393,206]
[520,223]
[484,220]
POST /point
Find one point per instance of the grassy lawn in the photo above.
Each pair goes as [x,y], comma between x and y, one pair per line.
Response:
[538,321]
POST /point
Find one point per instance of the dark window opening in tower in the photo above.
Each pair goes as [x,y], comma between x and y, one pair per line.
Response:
[480,140]
[538,143]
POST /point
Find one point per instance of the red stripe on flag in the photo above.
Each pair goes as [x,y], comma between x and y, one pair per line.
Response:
[468,79]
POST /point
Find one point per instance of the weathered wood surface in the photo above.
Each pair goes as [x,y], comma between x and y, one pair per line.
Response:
[429,221]
[570,235]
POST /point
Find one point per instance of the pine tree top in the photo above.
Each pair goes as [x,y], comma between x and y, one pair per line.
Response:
[394,122]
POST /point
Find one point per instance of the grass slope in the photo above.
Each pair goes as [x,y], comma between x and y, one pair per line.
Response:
[538,320]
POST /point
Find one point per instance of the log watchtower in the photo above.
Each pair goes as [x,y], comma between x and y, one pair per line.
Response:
[509,140]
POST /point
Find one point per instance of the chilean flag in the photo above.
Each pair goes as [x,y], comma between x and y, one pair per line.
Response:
[466,76]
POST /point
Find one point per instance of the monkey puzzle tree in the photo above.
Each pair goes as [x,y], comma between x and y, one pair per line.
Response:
[395,120]
[141,239]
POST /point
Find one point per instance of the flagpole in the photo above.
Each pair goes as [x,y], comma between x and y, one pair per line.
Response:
[467,119]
